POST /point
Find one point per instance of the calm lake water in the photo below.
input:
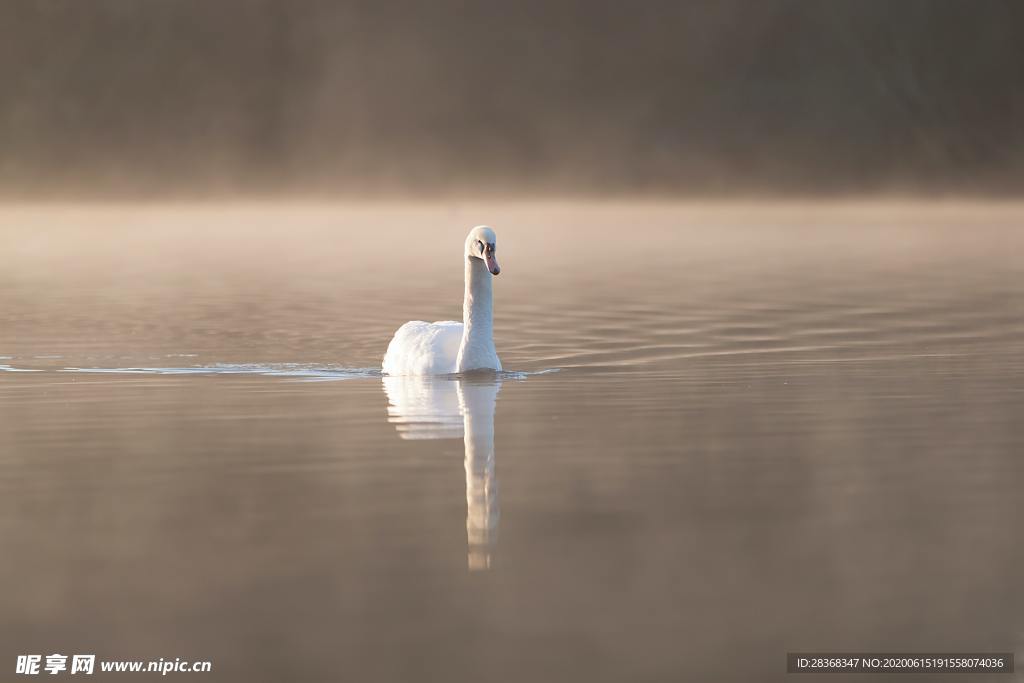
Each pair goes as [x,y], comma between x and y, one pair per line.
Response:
[729,433]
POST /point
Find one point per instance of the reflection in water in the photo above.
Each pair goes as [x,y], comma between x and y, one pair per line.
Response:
[441,408]
[764,411]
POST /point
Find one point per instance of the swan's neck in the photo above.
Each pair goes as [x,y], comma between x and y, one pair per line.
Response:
[477,316]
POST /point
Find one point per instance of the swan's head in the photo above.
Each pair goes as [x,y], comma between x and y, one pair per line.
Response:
[482,243]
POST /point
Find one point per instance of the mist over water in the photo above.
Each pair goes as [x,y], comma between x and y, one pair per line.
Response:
[771,427]
[308,97]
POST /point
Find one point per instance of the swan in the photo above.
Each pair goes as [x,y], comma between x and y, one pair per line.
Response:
[449,347]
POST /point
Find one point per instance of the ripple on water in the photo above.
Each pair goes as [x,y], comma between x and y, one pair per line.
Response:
[764,322]
[9,368]
[302,372]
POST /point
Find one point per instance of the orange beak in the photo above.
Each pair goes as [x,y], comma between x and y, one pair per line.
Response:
[492,263]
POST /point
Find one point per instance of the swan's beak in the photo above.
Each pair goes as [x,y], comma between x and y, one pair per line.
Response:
[492,263]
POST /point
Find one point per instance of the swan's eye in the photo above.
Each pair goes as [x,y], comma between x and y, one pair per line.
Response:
[481,245]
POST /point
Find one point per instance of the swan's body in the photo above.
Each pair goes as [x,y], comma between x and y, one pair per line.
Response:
[448,347]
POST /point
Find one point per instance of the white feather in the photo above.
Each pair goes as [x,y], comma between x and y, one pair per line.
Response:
[448,347]
[421,348]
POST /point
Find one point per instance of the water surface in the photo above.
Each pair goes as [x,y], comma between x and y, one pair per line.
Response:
[771,428]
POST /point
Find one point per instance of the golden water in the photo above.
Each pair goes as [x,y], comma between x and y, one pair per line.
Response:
[772,428]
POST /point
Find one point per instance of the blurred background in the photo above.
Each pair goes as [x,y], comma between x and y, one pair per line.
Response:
[168,98]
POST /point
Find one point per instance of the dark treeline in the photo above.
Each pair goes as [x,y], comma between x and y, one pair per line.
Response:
[176,97]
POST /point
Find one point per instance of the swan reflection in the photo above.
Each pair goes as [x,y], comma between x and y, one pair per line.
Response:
[441,408]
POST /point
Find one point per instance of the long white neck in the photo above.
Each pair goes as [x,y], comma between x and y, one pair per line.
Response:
[477,350]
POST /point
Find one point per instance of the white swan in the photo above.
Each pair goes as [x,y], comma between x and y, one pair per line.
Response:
[448,347]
